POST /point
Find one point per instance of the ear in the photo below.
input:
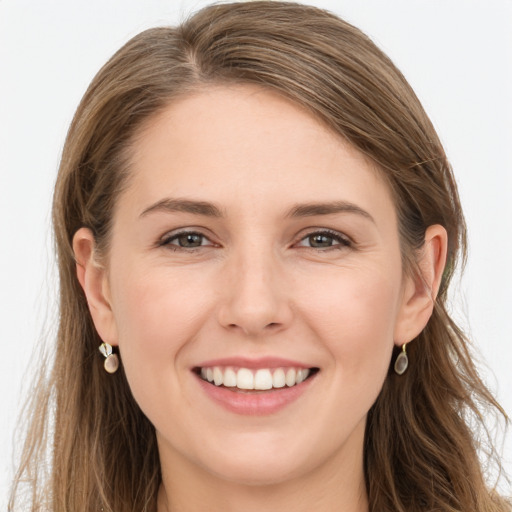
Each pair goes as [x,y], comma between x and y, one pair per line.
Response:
[420,289]
[94,280]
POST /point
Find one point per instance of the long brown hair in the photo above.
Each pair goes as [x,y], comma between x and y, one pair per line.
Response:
[421,445]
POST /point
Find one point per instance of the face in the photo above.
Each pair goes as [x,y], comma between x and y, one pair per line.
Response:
[252,249]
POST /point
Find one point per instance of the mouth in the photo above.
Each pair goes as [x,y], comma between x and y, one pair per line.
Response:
[254,379]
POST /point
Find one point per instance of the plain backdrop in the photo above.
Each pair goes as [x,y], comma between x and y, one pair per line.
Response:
[457,55]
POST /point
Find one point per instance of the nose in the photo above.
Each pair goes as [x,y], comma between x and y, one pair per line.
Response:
[255,298]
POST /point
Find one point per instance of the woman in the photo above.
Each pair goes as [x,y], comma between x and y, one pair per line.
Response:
[256,226]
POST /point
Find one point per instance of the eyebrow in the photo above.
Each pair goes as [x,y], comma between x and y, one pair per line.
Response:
[211,210]
[185,206]
[313,209]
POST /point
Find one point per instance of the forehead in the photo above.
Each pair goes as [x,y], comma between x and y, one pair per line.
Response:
[232,142]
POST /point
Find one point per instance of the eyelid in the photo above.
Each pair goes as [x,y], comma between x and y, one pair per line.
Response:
[168,237]
[342,239]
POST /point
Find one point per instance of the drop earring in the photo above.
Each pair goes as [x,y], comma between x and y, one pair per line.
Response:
[111,363]
[402,361]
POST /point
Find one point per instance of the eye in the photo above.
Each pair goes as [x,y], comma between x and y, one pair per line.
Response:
[185,240]
[325,240]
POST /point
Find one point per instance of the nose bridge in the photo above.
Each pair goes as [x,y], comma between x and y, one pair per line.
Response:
[255,299]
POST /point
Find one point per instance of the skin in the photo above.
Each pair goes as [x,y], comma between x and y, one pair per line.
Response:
[257,286]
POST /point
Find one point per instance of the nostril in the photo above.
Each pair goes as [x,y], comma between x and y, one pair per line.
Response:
[270,325]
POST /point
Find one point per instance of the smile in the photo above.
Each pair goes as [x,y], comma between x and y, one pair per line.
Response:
[254,387]
[261,379]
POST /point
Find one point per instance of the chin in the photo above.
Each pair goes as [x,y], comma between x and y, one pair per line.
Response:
[255,462]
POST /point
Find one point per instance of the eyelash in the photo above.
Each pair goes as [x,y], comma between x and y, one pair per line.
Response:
[167,241]
[342,241]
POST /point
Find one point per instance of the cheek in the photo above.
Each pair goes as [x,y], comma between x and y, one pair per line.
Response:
[354,315]
[152,298]
[156,315]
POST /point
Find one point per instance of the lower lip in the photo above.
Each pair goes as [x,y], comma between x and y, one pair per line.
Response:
[257,403]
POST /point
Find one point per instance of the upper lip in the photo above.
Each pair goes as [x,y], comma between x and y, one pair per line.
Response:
[253,363]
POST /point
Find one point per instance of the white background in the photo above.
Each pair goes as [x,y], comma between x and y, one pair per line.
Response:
[457,54]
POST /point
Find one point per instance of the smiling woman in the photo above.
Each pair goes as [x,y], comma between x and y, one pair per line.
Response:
[274,280]
[257,225]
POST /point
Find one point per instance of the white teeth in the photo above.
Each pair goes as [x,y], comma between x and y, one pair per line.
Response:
[261,379]
[290,377]
[244,379]
[230,378]
[278,379]
[305,373]
[218,378]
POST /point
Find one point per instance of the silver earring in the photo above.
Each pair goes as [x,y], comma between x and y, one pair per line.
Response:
[111,363]
[402,361]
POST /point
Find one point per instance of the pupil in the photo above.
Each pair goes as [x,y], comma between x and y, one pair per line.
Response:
[320,241]
[190,240]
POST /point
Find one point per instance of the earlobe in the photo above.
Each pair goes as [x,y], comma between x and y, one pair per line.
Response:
[420,289]
[92,276]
